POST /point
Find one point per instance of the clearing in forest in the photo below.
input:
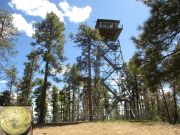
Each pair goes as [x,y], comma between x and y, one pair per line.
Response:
[111,128]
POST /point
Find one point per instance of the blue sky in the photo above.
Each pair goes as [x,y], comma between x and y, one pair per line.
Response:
[131,13]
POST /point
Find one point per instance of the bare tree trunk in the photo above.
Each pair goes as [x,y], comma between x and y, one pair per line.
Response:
[165,104]
[43,94]
[64,107]
[78,104]
[137,97]
[73,103]
[61,115]
[11,95]
[89,83]
[146,103]
[69,104]
[175,103]
[30,83]
[158,104]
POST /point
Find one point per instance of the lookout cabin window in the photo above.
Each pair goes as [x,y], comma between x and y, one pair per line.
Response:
[106,25]
[102,24]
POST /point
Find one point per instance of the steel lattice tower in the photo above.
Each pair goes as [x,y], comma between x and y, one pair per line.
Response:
[112,70]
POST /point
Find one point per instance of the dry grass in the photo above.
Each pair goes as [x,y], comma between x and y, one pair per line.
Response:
[111,128]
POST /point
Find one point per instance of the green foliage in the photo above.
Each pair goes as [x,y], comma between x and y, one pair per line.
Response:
[26,84]
[135,64]
[85,34]
[73,76]
[86,39]
[49,36]
[49,43]
[8,33]
[158,43]
[38,97]
[5,98]
[55,104]
[7,37]
[11,77]
[157,60]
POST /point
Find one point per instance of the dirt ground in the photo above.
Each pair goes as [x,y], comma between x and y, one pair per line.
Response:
[110,128]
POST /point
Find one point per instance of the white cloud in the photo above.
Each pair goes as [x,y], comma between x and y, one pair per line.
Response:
[22,24]
[36,7]
[40,8]
[74,13]
[3,81]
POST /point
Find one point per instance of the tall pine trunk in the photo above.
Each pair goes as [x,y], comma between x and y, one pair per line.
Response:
[165,104]
[73,103]
[29,84]
[43,95]
[69,103]
[158,102]
[89,83]
[175,103]
[78,106]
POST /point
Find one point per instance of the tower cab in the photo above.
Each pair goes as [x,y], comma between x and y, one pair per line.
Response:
[109,29]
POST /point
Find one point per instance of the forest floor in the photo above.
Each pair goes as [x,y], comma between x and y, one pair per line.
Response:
[111,128]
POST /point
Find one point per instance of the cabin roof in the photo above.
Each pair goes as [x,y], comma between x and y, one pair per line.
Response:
[107,20]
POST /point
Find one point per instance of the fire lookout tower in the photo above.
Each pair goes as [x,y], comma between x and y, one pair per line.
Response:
[112,69]
[109,29]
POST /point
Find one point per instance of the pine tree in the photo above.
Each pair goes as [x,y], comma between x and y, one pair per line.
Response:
[11,77]
[85,39]
[26,84]
[158,46]
[8,33]
[73,81]
[38,97]
[49,42]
